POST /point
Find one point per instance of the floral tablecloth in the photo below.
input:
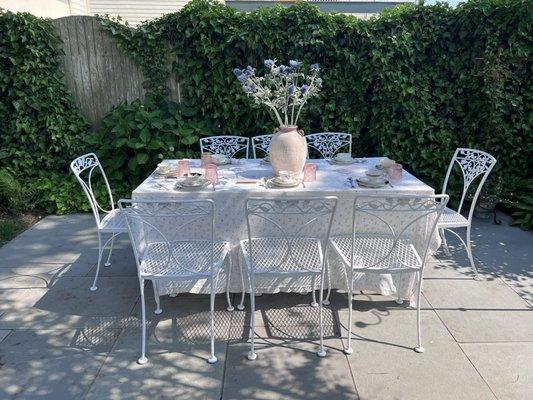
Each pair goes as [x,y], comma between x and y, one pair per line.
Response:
[230,222]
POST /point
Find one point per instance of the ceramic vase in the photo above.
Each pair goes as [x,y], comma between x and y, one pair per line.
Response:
[288,149]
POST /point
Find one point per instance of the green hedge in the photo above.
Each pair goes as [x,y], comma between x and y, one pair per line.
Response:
[414,83]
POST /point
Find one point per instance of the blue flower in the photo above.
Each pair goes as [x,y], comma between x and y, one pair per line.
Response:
[269,63]
[249,68]
[314,67]
[295,63]
[246,89]
[242,77]
[304,89]
[237,72]
[291,89]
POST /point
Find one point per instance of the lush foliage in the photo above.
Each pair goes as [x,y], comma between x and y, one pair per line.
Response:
[135,136]
[284,89]
[41,129]
[15,198]
[414,84]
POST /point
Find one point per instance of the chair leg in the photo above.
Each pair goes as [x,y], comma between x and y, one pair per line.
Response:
[108,262]
[444,242]
[143,360]
[158,309]
[251,354]
[321,351]
[399,299]
[419,348]
[240,306]
[313,290]
[100,251]
[228,280]
[348,349]
[326,301]
[212,359]
[469,251]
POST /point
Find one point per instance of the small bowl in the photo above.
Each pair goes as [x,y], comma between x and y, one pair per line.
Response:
[373,174]
[386,163]
[343,157]
[193,177]
[220,159]
[287,176]
[163,168]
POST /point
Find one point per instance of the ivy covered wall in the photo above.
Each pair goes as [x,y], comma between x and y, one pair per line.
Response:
[414,84]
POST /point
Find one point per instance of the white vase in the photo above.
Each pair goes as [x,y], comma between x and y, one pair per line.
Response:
[288,150]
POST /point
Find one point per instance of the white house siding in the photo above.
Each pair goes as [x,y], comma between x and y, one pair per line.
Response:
[78,7]
[135,11]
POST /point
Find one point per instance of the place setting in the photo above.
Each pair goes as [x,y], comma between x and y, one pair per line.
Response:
[373,179]
[345,159]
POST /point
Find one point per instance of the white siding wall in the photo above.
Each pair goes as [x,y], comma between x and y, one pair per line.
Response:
[135,11]
[78,7]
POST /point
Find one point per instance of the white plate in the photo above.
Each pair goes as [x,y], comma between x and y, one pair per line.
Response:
[201,182]
[277,183]
[365,182]
[336,161]
[181,186]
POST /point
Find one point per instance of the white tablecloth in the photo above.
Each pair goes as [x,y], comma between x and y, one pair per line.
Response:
[230,223]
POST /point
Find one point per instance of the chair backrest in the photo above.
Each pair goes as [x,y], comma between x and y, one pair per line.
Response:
[227,145]
[394,223]
[83,168]
[162,223]
[285,225]
[474,164]
[329,143]
[261,143]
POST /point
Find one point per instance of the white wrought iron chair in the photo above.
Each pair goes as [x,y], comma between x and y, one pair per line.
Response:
[165,249]
[473,163]
[108,222]
[329,143]
[380,248]
[226,145]
[287,238]
[261,143]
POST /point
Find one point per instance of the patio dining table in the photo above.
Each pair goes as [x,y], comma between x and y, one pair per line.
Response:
[242,179]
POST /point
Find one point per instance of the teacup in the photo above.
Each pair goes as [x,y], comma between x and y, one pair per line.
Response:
[193,178]
[220,159]
[287,176]
[373,174]
[163,168]
[386,163]
[344,157]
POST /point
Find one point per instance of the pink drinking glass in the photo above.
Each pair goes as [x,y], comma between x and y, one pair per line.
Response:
[207,158]
[211,173]
[310,172]
[395,172]
[183,167]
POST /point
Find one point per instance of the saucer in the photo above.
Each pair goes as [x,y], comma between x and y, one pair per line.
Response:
[372,183]
[342,161]
[283,184]
[196,186]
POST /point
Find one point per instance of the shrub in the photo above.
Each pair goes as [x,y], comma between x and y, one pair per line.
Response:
[14,196]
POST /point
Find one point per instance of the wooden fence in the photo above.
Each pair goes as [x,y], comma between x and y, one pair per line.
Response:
[97,72]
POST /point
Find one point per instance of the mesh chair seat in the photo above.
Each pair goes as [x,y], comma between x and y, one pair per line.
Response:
[371,253]
[114,221]
[282,256]
[185,258]
[451,219]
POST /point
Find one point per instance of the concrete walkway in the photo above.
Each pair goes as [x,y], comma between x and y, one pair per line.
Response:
[58,340]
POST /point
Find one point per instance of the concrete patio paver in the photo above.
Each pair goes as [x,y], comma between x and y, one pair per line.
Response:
[511,377]
[287,369]
[52,364]
[49,316]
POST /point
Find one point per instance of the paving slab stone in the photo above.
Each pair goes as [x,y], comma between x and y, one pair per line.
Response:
[48,364]
[481,311]
[174,370]
[385,366]
[506,367]
[3,334]
[287,369]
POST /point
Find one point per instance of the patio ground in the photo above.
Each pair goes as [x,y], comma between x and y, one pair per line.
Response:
[59,340]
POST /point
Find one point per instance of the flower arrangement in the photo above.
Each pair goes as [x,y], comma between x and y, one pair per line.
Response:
[284,89]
